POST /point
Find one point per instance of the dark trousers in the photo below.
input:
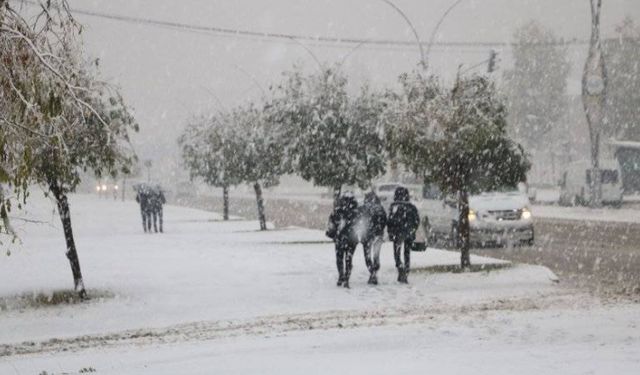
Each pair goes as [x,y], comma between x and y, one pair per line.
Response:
[146,220]
[344,258]
[156,214]
[398,244]
[371,249]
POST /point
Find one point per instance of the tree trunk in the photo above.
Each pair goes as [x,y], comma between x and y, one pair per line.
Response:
[5,224]
[594,84]
[124,187]
[395,170]
[463,228]
[72,253]
[336,194]
[225,200]
[259,200]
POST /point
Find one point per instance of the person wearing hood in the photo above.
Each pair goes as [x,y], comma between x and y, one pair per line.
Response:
[143,197]
[402,225]
[373,220]
[341,230]
[156,201]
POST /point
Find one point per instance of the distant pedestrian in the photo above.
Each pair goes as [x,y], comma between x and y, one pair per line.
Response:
[143,197]
[341,230]
[372,220]
[402,225]
[156,201]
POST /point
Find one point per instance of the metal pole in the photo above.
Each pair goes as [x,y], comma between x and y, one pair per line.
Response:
[423,59]
[435,29]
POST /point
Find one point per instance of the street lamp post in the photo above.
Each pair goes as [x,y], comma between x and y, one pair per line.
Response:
[423,58]
[437,27]
[594,83]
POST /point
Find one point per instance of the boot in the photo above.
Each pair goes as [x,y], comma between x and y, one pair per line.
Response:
[340,280]
[405,275]
[404,278]
[400,274]
[346,284]
[373,280]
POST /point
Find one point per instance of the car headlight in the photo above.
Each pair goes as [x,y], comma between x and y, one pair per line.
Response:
[525,214]
[472,215]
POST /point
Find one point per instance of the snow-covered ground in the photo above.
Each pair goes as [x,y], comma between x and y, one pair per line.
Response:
[604,341]
[608,214]
[220,297]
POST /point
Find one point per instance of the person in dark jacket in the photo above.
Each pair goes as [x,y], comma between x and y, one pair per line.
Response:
[372,221]
[341,230]
[402,225]
[143,197]
[156,201]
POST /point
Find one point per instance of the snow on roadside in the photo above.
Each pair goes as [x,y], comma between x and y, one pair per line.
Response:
[546,211]
[605,214]
[203,269]
[595,341]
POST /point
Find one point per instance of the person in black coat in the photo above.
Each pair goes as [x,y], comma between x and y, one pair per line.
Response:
[402,225]
[373,220]
[341,230]
[143,197]
[156,201]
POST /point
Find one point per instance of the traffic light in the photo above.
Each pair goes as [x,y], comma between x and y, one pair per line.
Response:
[492,61]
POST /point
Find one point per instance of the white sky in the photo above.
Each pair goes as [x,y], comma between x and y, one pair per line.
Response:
[166,74]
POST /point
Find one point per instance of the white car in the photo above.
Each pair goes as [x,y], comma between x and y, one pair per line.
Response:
[494,218]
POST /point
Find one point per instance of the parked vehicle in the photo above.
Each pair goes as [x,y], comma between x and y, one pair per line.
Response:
[494,218]
[574,185]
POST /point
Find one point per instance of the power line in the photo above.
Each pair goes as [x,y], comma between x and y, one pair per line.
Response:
[287,38]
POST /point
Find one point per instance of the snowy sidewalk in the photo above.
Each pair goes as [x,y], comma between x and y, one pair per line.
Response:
[557,341]
[203,269]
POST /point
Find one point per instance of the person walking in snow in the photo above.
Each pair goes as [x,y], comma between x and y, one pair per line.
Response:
[372,221]
[143,197]
[341,230]
[402,225]
[156,201]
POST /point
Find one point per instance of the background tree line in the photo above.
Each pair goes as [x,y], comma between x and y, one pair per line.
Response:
[312,126]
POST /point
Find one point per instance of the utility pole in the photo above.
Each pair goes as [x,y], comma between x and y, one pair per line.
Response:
[594,83]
